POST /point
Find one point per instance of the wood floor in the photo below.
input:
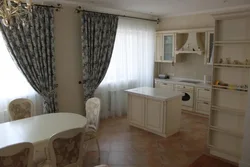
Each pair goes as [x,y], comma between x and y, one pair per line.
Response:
[208,161]
[125,146]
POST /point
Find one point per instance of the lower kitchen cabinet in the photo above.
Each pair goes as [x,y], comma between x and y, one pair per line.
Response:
[136,115]
[159,113]
[203,107]
[168,86]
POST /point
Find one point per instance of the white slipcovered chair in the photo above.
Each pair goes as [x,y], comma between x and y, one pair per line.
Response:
[20,108]
[17,155]
[93,106]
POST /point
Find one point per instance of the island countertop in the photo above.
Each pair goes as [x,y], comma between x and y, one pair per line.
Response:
[156,93]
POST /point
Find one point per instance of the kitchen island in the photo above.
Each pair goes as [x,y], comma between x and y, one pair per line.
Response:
[155,110]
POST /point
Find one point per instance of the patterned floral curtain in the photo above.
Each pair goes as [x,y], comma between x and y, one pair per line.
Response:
[31,44]
[98,38]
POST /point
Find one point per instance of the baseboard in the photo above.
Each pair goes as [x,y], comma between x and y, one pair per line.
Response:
[243,164]
[195,113]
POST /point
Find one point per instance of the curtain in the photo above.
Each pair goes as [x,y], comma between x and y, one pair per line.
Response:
[131,65]
[14,85]
[31,44]
[98,37]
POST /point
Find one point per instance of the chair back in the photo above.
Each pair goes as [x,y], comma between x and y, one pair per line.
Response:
[93,106]
[66,148]
[20,108]
[17,155]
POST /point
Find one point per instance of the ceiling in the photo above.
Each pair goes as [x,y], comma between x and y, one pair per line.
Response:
[168,7]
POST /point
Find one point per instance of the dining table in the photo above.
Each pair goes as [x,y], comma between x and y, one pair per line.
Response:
[38,129]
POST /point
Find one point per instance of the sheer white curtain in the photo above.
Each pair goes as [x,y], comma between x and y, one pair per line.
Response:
[131,65]
[13,84]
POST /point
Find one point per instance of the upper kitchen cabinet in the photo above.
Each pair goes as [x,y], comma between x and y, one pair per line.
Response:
[165,48]
[168,47]
[210,48]
[172,45]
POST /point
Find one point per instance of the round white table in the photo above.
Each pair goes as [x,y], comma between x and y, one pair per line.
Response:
[38,129]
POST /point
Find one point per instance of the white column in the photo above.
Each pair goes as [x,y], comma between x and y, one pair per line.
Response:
[245,160]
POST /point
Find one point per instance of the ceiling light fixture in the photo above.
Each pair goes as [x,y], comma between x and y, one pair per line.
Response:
[11,8]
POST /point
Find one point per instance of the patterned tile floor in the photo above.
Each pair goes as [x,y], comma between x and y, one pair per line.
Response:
[125,146]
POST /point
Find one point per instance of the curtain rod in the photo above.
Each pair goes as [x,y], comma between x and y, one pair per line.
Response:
[78,10]
[58,7]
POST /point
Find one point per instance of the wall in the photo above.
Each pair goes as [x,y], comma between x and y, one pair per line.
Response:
[68,55]
[68,60]
[193,65]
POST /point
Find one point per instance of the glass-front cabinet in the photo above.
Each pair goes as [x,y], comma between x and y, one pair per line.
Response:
[168,47]
[210,48]
[165,48]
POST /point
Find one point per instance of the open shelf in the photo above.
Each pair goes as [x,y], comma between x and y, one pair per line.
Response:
[233,42]
[226,88]
[217,65]
[224,151]
[229,132]
[229,110]
[190,52]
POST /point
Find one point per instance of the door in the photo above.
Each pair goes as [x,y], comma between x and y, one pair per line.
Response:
[68,62]
[136,110]
[154,115]
[168,47]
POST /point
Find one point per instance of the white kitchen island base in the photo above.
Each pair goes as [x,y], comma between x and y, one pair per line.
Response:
[155,110]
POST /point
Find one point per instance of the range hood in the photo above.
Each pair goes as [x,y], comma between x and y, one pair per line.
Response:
[190,43]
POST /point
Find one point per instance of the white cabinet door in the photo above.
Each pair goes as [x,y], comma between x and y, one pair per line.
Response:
[203,94]
[203,107]
[136,110]
[168,48]
[168,86]
[159,48]
[154,115]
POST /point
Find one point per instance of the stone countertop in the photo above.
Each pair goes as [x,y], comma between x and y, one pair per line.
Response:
[177,81]
[156,93]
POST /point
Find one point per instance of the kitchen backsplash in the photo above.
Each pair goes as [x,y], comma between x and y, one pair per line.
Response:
[191,67]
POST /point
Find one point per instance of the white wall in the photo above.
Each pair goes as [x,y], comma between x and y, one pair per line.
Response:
[193,65]
[186,22]
[68,55]
[68,60]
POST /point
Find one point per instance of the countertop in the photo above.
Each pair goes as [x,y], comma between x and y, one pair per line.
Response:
[156,93]
[177,81]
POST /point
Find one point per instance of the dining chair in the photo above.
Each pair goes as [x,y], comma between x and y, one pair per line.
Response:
[17,155]
[93,106]
[65,148]
[20,108]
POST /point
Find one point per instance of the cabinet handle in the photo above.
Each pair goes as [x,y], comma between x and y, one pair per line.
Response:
[165,84]
[205,103]
[207,89]
[161,57]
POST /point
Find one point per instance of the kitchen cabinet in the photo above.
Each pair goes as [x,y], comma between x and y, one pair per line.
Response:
[203,107]
[203,100]
[168,86]
[136,109]
[168,47]
[210,48]
[155,110]
[203,94]
[154,115]
[165,44]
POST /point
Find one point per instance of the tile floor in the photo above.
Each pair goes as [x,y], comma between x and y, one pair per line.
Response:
[125,146]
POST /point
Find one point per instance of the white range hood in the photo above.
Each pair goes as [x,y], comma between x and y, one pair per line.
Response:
[192,42]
